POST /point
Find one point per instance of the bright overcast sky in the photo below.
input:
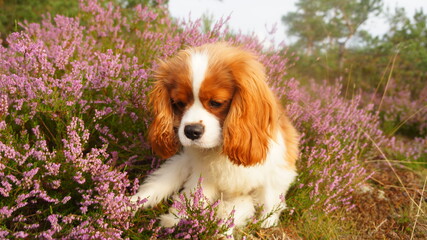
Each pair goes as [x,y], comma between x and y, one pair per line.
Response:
[260,15]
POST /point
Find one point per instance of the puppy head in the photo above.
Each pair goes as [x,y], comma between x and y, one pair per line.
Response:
[213,96]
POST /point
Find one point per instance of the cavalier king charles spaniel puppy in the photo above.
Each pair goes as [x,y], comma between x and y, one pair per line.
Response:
[215,118]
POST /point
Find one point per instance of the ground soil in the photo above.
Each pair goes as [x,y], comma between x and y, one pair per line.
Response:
[387,210]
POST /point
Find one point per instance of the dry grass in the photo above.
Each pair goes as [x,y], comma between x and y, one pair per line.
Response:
[387,210]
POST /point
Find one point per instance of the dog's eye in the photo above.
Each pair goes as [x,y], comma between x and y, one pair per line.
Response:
[214,104]
[178,104]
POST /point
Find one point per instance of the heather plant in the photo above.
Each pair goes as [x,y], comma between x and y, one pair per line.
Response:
[198,218]
[335,137]
[74,114]
[401,111]
[402,115]
[59,193]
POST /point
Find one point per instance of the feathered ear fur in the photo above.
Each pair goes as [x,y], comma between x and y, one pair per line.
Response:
[161,134]
[291,137]
[252,118]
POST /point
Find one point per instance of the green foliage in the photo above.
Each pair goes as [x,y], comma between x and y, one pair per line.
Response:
[409,35]
[317,225]
[387,69]
[330,23]
[308,26]
[405,41]
[14,11]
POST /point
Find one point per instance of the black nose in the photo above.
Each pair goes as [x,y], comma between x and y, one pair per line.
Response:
[194,131]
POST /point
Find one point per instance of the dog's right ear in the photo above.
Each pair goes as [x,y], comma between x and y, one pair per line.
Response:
[161,134]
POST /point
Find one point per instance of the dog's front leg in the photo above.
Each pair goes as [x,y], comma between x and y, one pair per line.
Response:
[272,206]
[271,196]
[163,182]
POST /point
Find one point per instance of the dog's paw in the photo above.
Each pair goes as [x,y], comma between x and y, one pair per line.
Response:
[168,220]
[135,199]
[271,221]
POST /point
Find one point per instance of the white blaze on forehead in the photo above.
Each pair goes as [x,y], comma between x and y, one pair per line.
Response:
[198,66]
[196,113]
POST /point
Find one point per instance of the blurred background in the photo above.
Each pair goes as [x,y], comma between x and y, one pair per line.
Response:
[362,41]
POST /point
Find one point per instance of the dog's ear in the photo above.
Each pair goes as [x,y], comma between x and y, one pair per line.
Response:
[291,137]
[252,117]
[161,134]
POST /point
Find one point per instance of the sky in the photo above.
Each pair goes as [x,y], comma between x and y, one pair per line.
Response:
[259,16]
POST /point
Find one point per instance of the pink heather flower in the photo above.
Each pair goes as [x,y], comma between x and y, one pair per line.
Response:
[197,216]
[20,234]
[135,186]
[4,105]
[5,188]
[19,218]
[30,174]
[52,169]
[6,212]
[83,209]
[3,233]
[2,125]
[2,167]
[79,178]
[55,184]
[8,152]
[69,218]
[53,219]
[32,226]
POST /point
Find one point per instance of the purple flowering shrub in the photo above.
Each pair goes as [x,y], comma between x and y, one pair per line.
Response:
[403,111]
[51,193]
[198,219]
[336,135]
[73,118]
[404,114]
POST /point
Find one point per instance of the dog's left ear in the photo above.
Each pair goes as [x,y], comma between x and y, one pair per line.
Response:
[252,118]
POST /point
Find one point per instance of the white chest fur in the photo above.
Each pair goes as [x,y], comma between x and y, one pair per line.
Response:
[231,179]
